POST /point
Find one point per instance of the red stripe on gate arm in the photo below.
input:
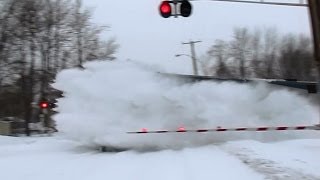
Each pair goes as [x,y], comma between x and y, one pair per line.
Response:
[241,129]
[281,128]
[202,130]
[262,129]
[162,131]
[220,129]
[301,128]
[181,130]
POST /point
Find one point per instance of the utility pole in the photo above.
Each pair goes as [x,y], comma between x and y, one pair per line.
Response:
[193,56]
[314,10]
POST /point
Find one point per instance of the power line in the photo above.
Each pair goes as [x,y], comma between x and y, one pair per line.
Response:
[301,4]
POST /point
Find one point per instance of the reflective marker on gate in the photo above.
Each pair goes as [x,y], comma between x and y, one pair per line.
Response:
[181,129]
[144,130]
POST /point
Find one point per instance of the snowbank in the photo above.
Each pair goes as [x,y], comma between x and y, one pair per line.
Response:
[107,99]
[54,159]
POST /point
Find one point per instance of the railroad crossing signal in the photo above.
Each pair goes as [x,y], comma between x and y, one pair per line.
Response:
[175,8]
[44,104]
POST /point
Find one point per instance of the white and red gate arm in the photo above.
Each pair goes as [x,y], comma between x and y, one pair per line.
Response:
[220,129]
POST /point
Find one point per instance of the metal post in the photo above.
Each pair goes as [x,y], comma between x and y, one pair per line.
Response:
[314,10]
[41,117]
[175,3]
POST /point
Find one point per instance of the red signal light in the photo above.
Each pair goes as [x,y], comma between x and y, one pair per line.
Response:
[165,9]
[44,105]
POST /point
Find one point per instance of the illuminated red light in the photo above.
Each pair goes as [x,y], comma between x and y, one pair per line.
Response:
[44,105]
[165,9]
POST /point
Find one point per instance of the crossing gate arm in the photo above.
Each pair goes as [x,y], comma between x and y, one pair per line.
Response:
[220,129]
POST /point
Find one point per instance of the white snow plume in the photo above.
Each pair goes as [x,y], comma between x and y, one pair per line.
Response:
[107,99]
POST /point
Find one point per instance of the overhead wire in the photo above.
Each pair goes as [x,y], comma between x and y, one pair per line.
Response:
[301,4]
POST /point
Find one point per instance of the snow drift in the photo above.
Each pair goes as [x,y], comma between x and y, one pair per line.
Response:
[107,99]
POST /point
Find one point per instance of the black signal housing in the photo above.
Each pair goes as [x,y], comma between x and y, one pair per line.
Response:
[185,8]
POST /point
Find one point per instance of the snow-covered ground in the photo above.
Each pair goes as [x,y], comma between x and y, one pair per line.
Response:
[54,158]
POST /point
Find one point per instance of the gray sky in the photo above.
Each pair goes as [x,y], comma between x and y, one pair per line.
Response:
[145,36]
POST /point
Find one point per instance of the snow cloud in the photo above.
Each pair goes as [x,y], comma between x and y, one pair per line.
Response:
[108,99]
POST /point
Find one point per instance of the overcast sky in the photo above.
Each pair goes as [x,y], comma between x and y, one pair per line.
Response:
[145,36]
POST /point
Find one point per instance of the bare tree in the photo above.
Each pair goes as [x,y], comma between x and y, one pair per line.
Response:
[79,24]
[38,38]
[270,53]
[255,46]
[219,51]
[239,49]
[264,60]
[264,54]
[296,59]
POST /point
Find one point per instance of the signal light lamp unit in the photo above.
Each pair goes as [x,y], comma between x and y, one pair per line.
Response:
[175,8]
[44,105]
